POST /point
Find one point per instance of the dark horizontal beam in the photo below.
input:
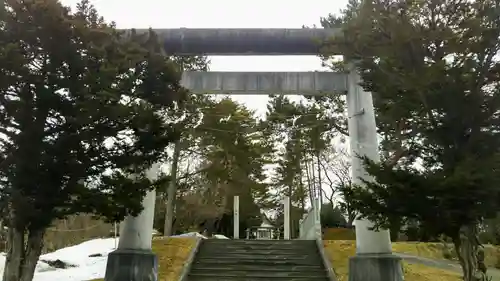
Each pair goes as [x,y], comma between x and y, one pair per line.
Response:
[244,41]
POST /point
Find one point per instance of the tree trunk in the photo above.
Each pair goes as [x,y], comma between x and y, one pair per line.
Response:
[310,187]
[291,212]
[394,230]
[313,178]
[350,220]
[320,183]
[22,255]
[302,192]
[171,192]
[470,254]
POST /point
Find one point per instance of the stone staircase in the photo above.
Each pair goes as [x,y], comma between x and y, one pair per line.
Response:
[257,260]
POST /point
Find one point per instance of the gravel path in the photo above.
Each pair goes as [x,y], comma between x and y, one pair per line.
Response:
[444,264]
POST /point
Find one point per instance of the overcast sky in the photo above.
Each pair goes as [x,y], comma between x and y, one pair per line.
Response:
[225,14]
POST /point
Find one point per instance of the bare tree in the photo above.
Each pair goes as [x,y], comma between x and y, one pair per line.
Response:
[337,176]
[202,205]
[171,192]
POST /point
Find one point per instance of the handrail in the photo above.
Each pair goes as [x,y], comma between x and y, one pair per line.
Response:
[310,224]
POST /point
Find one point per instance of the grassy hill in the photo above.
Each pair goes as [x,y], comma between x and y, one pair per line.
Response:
[340,244]
[339,252]
[172,254]
[435,251]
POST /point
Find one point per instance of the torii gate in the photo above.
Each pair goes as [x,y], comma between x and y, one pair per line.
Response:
[134,260]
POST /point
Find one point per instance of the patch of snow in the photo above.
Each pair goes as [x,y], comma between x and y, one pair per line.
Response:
[85,261]
[190,234]
[81,267]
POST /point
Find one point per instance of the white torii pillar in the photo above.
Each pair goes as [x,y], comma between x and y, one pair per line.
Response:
[374,260]
[134,260]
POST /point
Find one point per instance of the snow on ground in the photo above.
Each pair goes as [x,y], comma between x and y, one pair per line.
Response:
[219,236]
[80,266]
[85,261]
[191,234]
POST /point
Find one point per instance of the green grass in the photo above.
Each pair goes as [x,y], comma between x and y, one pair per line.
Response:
[339,252]
[172,255]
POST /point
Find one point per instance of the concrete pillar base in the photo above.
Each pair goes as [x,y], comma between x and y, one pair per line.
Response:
[375,267]
[131,265]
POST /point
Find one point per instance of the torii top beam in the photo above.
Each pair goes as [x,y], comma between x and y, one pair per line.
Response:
[244,41]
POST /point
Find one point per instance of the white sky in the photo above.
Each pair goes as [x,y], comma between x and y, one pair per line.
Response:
[225,14]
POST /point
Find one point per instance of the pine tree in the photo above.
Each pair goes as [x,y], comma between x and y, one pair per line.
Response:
[82,107]
[433,70]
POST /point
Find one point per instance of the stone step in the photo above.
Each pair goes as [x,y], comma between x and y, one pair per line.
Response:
[219,251]
[253,261]
[256,241]
[261,256]
[257,260]
[245,278]
[242,246]
[259,267]
[252,274]
[259,242]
